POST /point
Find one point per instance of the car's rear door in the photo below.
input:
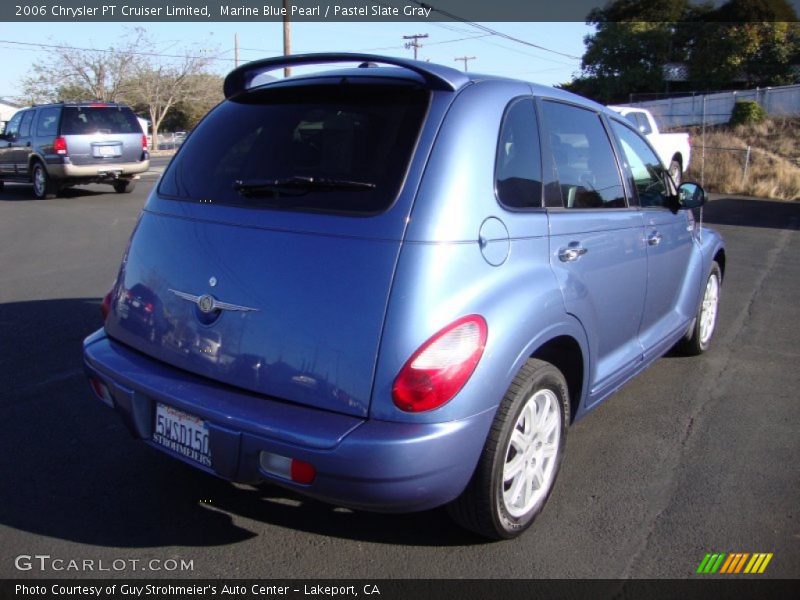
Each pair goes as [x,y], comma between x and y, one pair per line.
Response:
[101,134]
[597,249]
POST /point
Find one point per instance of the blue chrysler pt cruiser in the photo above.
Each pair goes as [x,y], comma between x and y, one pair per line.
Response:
[393,286]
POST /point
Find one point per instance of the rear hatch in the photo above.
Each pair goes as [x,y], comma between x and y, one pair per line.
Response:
[265,258]
[101,134]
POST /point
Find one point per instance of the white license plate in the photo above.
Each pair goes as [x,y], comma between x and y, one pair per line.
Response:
[182,433]
[106,151]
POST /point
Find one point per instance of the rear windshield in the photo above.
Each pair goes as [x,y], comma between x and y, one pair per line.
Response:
[340,148]
[98,119]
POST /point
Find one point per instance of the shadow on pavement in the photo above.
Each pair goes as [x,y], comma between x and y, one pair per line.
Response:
[752,212]
[71,470]
[23,192]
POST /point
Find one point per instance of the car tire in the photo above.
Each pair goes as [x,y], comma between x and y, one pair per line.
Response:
[124,186]
[43,185]
[698,338]
[676,172]
[521,456]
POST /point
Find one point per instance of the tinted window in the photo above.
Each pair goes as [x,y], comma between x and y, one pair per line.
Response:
[12,127]
[25,125]
[342,148]
[519,160]
[645,166]
[98,119]
[582,158]
[48,122]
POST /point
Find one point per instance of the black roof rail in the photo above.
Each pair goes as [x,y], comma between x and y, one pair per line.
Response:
[436,76]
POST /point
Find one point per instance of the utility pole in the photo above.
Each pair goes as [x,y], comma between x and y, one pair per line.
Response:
[287,36]
[415,43]
[236,50]
[465,59]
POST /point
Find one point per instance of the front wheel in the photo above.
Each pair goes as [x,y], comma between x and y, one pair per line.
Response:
[521,457]
[698,338]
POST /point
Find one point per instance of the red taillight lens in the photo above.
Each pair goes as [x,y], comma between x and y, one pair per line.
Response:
[148,307]
[60,145]
[105,307]
[442,365]
[302,472]
[144,143]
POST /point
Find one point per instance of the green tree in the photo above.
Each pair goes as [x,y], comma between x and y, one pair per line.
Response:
[740,43]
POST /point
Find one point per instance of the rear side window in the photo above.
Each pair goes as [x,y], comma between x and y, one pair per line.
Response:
[98,119]
[25,126]
[338,148]
[48,122]
[519,159]
[582,159]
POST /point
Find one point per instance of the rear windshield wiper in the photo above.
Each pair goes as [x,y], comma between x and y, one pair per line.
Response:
[302,184]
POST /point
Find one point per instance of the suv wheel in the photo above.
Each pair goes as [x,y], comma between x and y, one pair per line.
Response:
[43,185]
[521,457]
[124,186]
[698,338]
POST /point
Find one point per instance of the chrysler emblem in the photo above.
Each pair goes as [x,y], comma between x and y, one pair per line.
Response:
[207,304]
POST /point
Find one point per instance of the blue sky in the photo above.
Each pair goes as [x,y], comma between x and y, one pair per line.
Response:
[258,40]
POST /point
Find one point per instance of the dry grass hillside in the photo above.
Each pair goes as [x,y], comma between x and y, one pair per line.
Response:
[774,168]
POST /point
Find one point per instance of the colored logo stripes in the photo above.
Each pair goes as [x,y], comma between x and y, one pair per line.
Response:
[735,562]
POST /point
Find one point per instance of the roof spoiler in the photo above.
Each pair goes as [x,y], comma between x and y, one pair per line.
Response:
[437,77]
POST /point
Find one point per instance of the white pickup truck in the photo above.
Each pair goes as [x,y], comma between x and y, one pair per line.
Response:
[674,149]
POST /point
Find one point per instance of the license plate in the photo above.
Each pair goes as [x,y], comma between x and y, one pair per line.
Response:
[182,433]
[106,151]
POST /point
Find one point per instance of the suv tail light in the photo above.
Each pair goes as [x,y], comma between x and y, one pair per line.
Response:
[144,143]
[60,145]
[441,366]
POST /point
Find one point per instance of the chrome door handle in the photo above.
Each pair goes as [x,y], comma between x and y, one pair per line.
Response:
[654,239]
[572,252]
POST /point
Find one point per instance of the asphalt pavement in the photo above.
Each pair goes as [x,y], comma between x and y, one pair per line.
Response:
[695,455]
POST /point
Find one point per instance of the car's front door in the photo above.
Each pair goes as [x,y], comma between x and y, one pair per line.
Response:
[669,234]
[21,145]
[596,243]
[7,161]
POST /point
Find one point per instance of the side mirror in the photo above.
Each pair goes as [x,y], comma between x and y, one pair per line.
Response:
[691,195]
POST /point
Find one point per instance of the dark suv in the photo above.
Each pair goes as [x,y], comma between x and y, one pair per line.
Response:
[60,145]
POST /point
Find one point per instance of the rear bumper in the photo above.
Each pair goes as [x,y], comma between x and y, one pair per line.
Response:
[366,464]
[97,171]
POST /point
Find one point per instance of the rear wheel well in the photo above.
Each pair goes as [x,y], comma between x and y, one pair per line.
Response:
[565,354]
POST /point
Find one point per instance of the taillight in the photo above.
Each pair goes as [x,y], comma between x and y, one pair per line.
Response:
[60,145]
[105,307]
[148,307]
[144,143]
[441,366]
[294,469]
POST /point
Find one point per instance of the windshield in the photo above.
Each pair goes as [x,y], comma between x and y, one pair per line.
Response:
[340,148]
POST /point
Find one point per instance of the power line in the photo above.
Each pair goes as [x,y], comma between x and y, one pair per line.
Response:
[112,51]
[494,31]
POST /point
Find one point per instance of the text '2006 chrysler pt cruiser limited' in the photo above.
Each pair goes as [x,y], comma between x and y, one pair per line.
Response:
[394,287]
